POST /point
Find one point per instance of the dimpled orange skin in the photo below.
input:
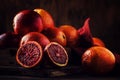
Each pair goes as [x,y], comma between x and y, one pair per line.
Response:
[71,34]
[98,60]
[98,42]
[46,18]
[27,21]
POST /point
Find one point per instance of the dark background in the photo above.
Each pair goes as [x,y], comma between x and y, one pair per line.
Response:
[104,14]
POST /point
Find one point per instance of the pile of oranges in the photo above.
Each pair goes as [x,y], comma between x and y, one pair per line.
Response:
[38,25]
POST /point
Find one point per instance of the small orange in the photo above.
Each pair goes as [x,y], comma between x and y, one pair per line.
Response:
[46,18]
[54,34]
[71,34]
[98,42]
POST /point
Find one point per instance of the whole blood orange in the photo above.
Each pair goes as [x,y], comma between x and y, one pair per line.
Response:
[35,36]
[55,35]
[98,60]
[9,40]
[46,18]
[27,21]
[29,54]
[71,34]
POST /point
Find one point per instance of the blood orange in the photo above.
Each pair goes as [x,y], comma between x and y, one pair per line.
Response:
[27,21]
[29,54]
[98,60]
[71,34]
[47,19]
[55,35]
[35,36]
[57,54]
[9,40]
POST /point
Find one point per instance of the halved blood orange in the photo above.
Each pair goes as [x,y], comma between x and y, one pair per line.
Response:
[29,54]
[57,54]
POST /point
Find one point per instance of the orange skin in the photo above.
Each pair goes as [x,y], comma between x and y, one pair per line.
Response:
[47,19]
[35,36]
[55,35]
[98,42]
[98,60]
[27,21]
[71,34]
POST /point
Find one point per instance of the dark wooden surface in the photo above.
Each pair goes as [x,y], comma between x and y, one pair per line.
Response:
[11,69]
